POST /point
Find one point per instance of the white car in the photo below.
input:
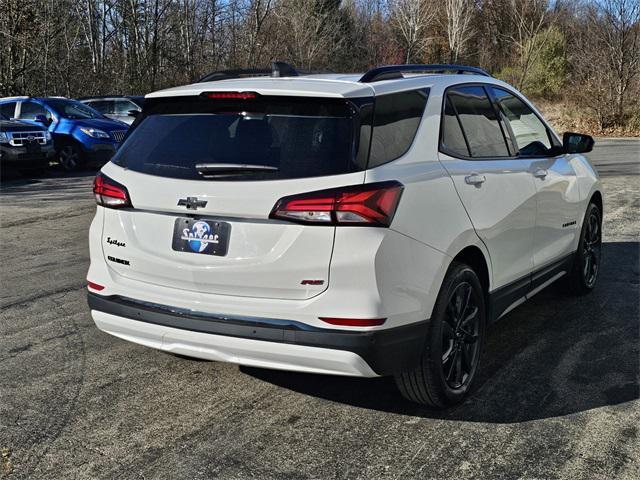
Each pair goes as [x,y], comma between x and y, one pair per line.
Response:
[360,225]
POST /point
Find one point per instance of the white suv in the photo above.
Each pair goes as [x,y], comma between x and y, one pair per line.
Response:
[359,225]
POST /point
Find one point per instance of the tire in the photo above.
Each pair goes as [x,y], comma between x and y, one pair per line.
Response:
[588,258]
[70,157]
[454,343]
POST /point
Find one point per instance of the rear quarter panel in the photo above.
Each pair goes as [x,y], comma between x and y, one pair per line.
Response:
[431,219]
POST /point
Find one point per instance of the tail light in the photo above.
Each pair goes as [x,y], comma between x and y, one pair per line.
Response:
[110,193]
[372,205]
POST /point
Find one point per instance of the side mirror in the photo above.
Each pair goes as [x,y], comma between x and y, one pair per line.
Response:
[134,113]
[577,143]
[41,119]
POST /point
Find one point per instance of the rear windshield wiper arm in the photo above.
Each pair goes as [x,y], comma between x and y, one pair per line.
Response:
[231,168]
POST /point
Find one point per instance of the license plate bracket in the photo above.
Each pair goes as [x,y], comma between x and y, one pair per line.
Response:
[201,235]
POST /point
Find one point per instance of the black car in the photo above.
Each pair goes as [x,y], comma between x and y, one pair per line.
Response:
[24,146]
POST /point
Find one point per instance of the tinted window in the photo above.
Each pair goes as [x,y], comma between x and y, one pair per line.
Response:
[479,121]
[8,109]
[29,110]
[139,101]
[103,106]
[296,137]
[530,133]
[395,123]
[452,137]
[122,107]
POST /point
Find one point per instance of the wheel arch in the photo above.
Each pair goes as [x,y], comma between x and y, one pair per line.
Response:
[475,258]
[596,197]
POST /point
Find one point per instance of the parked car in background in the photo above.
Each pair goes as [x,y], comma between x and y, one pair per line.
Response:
[81,135]
[24,147]
[118,107]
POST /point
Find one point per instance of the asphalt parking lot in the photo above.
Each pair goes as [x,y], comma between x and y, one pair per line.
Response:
[558,396]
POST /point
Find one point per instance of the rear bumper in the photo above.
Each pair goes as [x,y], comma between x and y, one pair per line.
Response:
[261,342]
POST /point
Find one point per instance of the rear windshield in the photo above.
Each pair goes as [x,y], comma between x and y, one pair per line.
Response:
[264,138]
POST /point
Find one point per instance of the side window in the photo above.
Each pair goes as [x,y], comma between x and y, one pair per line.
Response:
[395,123]
[452,136]
[8,109]
[103,106]
[479,121]
[29,110]
[122,107]
[530,133]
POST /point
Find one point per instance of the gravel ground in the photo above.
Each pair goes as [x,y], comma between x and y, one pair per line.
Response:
[558,395]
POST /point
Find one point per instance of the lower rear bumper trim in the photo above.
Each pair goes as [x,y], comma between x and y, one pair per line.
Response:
[386,351]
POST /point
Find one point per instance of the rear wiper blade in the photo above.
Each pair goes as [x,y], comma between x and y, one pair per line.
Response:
[217,168]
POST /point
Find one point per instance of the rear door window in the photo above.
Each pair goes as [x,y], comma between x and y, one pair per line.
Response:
[479,122]
[453,140]
[531,135]
[396,120]
[263,138]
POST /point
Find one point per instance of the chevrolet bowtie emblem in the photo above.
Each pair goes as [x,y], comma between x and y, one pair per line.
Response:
[192,203]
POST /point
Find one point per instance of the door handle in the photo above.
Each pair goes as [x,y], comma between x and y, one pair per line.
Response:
[540,173]
[475,179]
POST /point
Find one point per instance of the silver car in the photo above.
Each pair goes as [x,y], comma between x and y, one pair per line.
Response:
[123,108]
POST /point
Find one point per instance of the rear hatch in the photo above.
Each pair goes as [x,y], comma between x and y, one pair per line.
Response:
[203,174]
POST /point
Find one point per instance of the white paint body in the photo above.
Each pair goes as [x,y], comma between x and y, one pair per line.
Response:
[514,218]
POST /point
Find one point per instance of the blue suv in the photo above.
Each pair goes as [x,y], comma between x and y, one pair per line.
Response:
[81,135]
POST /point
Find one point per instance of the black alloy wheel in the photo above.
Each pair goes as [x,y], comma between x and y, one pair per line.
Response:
[454,340]
[587,261]
[591,249]
[460,335]
[69,157]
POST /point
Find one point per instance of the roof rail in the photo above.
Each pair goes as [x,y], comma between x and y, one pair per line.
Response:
[16,97]
[237,73]
[390,72]
[278,69]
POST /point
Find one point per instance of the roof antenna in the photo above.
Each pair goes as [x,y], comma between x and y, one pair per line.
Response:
[282,69]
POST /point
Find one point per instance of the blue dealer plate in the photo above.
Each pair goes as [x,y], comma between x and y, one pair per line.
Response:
[197,235]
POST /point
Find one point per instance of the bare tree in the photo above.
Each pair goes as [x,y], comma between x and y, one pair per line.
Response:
[607,61]
[620,35]
[309,30]
[458,17]
[528,38]
[412,18]
[259,10]
[84,47]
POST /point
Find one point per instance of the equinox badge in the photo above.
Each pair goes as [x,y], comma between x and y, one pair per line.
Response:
[192,203]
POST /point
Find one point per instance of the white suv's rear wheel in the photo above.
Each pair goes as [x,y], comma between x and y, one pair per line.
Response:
[454,343]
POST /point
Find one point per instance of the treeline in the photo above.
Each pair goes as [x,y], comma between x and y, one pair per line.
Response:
[585,54]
